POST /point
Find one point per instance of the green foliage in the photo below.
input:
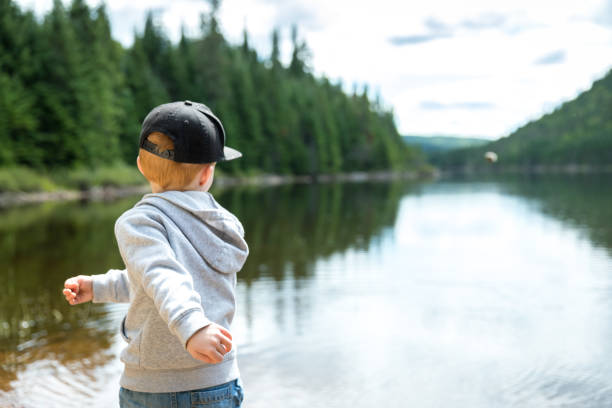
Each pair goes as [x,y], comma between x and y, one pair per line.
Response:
[579,133]
[16,119]
[24,179]
[84,178]
[73,98]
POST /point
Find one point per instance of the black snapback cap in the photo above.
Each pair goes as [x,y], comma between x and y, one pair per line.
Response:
[197,134]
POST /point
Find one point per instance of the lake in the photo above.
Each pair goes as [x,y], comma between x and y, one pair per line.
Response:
[454,293]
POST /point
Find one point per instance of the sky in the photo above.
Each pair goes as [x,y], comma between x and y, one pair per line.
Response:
[474,68]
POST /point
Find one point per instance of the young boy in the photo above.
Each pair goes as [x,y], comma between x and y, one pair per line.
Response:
[182,251]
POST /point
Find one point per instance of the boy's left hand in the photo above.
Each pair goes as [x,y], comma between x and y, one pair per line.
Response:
[78,289]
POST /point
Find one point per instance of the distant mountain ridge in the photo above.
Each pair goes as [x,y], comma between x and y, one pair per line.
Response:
[577,133]
[431,144]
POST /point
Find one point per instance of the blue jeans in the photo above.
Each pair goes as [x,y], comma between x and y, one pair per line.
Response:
[227,395]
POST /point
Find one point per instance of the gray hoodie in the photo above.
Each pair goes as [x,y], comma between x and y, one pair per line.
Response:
[182,251]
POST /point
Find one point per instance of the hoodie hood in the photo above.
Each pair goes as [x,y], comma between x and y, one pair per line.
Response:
[215,233]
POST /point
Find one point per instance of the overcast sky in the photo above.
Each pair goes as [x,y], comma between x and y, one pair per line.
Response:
[465,68]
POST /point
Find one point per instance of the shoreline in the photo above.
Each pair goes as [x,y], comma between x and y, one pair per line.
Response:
[108,193]
[14,199]
[540,169]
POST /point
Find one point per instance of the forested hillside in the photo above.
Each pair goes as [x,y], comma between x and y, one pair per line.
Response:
[71,96]
[432,144]
[579,132]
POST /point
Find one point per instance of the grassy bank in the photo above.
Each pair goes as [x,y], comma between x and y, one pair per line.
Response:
[26,180]
[21,186]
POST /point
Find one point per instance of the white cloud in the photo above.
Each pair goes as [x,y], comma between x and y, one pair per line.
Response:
[483,53]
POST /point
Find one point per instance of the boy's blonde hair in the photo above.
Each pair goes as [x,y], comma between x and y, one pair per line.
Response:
[166,173]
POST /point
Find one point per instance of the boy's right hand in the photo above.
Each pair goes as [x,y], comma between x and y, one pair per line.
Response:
[210,344]
[78,289]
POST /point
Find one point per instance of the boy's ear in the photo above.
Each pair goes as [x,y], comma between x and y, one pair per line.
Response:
[207,173]
[138,164]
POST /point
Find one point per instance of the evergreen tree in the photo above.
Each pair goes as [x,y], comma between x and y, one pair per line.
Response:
[17,123]
[275,56]
[146,87]
[96,85]
[187,80]
[244,104]
[273,100]
[60,102]
[158,50]
[300,55]
[18,67]
[213,61]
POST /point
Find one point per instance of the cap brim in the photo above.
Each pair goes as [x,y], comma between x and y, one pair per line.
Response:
[230,154]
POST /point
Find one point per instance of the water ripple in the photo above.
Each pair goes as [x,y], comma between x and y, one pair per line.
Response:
[553,384]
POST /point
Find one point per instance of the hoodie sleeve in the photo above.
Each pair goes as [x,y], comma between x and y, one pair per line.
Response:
[148,256]
[113,286]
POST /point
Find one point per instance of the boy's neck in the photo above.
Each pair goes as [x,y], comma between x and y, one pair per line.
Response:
[158,189]
[201,182]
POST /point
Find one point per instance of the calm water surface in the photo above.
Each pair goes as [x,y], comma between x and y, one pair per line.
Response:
[490,293]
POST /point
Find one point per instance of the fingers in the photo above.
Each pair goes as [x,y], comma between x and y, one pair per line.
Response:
[70,296]
[78,289]
[222,349]
[225,332]
[226,343]
[72,284]
[202,357]
[213,357]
